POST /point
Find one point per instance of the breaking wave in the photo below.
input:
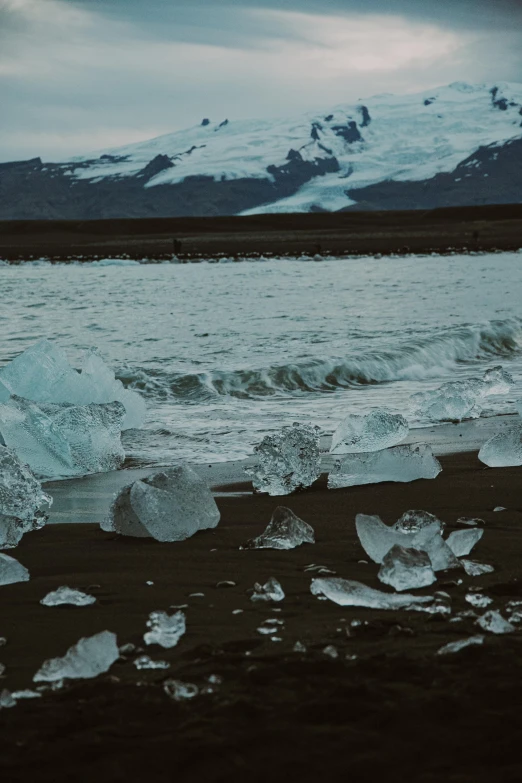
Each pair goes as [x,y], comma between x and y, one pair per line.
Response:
[413,359]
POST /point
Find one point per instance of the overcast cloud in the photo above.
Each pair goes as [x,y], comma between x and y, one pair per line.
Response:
[80,75]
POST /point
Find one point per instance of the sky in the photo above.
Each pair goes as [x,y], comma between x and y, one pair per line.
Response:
[82,75]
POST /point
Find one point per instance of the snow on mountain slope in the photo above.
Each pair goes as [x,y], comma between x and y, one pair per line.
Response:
[386,137]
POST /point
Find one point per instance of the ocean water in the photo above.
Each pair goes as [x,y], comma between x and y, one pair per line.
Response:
[226,353]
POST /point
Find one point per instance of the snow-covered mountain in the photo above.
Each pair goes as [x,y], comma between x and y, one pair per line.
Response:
[455,145]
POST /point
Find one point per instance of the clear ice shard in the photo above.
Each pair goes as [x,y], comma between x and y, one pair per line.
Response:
[165,630]
[347,592]
[66,595]
[453,647]
[21,497]
[374,431]
[285,531]
[146,662]
[504,449]
[180,691]
[11,571]
[89,657]
[493,622]
[170,505]
[43,374]
[270,591]
[60,440]
[461,542]
[476,569]
[286,461]
[400,463]
[405,568]
[377,538]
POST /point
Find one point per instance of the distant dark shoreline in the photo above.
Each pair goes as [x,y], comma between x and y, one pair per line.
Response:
[483,228]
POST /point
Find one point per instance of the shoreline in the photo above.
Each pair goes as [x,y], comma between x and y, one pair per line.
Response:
[80,500]
[275,712]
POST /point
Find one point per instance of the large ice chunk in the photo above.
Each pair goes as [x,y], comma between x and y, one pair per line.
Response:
[11,571]
[170,505]
[91,656]
[285,531]
[347,592]
[461,542]
[377,538]
[504,449]
[374,431]
[63,440]
[286,461]
[401,463]
[165,630]
[493,622]
[405,568]
[498,380]
[21,496]
[43,374]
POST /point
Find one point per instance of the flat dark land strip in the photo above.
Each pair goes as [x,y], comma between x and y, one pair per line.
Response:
[418,231]
[395,712]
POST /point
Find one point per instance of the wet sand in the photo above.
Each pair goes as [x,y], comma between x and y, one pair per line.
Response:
[396,711]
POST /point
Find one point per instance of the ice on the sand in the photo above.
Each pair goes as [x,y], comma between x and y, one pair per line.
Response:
[461,542]
[405,568]
[180,691]
[43,374]
[453,647]
[285,531]
[476,569]
[66,595]
[400,463]
[91,656]
[377,538]
[146,662]
[457,400]
[504,449]
[270,591]
[286,461]
[58,440]
[165,630]
[347,592]
[493,622]
[11,571]
[170,505]
[21,497]
[478,600]
[374,431]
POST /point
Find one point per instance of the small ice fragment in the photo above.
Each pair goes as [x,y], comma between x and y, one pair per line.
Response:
[65,595]
[170,505]
[237,611]
[503,449]
[479,600]
[89,657]
[461,542]
[226,583]
[401,463]
[11,571]
[196,595]
[149,583]
[285,531]
[476,569]
[413,521]
[6,700]
[469,522]
[331,651]
[265,630]
[165,630]
[3,641]
[374,431]
[347,592]
[377,538]
[286,461]
[270,591]
[146,662]
[180,691]
[299,647]
[453,647]
[21,497]
[405,568]
[2,669]
[275,639]
[494,622]
[127,649]
[26,694]
[500,508]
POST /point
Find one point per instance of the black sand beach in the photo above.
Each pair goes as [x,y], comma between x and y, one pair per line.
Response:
[387,707]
